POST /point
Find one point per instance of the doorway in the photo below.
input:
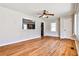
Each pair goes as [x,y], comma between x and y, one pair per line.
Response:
[42,29]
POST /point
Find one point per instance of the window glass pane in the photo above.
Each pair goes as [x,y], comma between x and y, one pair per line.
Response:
[25,26]
[53,27]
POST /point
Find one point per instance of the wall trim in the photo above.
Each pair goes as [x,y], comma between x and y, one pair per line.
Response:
[28,39]
[23,40]
[18,41]
[67,38]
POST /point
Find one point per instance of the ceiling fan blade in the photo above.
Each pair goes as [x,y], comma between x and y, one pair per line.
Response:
[50,14]
[45,14]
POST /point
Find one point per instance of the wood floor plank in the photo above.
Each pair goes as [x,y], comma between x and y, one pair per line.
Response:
[46,46]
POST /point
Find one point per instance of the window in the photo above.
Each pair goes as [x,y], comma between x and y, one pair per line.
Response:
[53,27]
[24,26]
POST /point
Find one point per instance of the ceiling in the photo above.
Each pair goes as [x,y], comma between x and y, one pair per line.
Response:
[33,9]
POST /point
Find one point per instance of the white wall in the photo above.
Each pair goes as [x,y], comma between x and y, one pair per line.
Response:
[77,25]
[11,27]
[76,28]
[48,31]
[66,27]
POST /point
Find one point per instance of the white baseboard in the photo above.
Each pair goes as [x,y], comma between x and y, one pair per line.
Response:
[22,40]
[18,41]
[69,37]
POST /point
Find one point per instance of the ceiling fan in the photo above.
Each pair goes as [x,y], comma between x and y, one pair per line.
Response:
[45,14]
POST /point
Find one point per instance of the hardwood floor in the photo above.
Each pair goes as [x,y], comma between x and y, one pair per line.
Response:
[46,46]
